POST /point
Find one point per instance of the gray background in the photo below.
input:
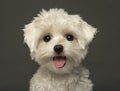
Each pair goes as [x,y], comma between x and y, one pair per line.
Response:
[103,60]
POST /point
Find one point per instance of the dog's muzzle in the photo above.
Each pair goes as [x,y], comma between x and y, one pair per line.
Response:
[59,61]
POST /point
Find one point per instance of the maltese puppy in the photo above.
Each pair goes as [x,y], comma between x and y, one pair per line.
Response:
[59,42]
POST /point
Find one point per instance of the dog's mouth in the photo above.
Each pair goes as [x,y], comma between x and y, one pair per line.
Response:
[59,61]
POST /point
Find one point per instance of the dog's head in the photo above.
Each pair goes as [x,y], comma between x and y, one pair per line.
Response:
[58,41]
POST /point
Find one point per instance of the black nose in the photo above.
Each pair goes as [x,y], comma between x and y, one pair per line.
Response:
[58,49]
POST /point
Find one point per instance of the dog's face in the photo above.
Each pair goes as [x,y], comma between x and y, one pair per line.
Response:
[59,49]
[58,41]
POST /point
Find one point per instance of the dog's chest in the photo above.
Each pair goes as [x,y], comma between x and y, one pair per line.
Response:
[52,84]
[73,82]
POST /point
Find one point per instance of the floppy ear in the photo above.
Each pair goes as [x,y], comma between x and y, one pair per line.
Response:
[88,33]
[30,37]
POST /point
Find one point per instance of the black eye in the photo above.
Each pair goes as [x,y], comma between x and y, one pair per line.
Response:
[47,38]
[69,37]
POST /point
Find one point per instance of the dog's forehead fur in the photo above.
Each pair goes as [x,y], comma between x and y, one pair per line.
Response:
[57,19]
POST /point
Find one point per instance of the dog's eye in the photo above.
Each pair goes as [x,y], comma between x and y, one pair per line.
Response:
[69,37]
[47,38]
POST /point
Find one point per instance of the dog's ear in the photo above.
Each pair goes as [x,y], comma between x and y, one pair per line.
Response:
[30,37]
[87,33]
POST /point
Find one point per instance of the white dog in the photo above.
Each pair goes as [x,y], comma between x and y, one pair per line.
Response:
[58,42]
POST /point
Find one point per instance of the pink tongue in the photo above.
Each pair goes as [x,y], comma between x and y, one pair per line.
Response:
[59,63]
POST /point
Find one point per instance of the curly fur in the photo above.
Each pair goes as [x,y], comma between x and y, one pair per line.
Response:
[57,23]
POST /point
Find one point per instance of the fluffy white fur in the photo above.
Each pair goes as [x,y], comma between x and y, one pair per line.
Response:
[58,23]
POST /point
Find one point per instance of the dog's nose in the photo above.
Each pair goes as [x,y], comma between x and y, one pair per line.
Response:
[58,49]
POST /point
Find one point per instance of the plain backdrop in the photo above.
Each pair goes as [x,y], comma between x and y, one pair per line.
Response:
[103,59]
